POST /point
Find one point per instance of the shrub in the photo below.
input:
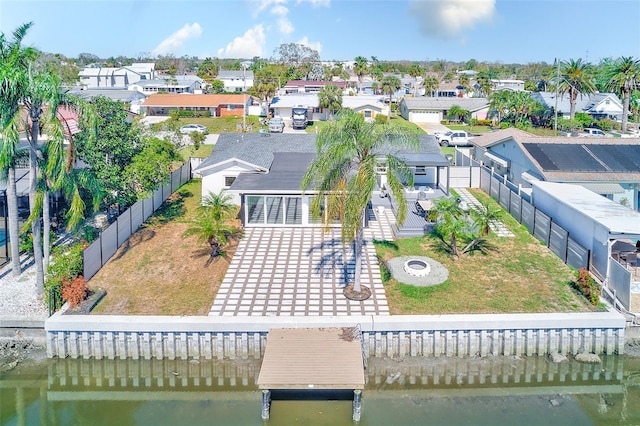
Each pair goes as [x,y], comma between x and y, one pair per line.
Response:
[588,286]
[66,265]
[75,290]
[381,119]
[477,122]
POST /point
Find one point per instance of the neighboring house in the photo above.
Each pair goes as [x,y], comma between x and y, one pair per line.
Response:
[511,85]
[215,105]
[369,106]
[309,86]
[609,167]
[263,174]
[132,98]
[236,81]
[597,105]
[434,110]
[169,84]
[116,78]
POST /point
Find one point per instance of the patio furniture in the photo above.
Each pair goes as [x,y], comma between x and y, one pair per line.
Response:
[631,258]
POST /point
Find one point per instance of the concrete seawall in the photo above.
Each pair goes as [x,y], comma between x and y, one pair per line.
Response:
[165,337]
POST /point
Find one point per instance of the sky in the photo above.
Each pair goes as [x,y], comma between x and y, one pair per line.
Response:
[503,31]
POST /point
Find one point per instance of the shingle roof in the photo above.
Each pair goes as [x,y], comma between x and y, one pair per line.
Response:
[470,104]
[584,103]
[285,174]
[122,95]
[191,100]
[232,74]
[258,149]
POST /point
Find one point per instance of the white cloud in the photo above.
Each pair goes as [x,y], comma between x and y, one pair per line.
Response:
[263,5]
[174,42]
[250,44]
[315,2]
[317,46]
[444,19]
[284,24]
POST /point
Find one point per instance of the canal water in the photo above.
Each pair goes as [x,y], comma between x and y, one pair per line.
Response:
[420,391]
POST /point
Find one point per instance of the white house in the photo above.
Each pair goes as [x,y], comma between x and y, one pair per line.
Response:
[368,105]
[116,78]
[236,81]
[169,84]
[597,105]
[511,85]
[434,110]
[263,174]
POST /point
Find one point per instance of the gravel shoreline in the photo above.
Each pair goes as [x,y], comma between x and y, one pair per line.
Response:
[18,295]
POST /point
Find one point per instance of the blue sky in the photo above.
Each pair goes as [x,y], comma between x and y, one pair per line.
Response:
[505,31]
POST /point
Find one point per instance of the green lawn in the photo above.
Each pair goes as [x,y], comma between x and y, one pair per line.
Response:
[510,275]
[188,151]
[395,119]
[217,124]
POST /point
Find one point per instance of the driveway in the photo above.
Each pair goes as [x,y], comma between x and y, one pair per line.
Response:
[430,128]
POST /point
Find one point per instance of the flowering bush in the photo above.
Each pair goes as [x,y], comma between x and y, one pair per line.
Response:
[75,291]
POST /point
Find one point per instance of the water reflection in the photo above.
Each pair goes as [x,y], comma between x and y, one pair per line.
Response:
[410,391]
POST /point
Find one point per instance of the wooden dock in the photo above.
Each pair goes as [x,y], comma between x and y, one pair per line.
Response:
[312,359]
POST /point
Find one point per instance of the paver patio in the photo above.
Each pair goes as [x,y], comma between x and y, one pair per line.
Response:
[295,271]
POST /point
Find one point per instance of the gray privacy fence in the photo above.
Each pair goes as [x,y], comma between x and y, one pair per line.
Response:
[537,222]
[101,250]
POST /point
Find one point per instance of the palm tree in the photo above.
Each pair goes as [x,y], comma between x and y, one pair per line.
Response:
[457,233]
[211,225]
[484,215]
[14,59]
[330,97]
[623,76]
[360,67]
[390,85]
[457,111]
[431,84]
[343,174]
[575,80]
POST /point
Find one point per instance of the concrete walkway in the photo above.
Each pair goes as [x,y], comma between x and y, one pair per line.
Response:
[498,228]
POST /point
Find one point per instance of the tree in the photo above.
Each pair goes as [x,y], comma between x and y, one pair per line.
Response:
[431,84]
[390,85]
[458,112]
[217,86]
[330,97]
[360,67]
[14,60]
[343,176]
[623,76]
[463,80]
[211,223]
[575,80]
[298,57]
[484,215]
[457,233]
[128,164]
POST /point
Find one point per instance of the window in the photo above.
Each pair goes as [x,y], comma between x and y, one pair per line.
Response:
[367,113]
[421,170]
[231,107]
[228,180]
[381,168]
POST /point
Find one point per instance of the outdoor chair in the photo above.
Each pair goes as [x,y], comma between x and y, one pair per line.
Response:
[632,258]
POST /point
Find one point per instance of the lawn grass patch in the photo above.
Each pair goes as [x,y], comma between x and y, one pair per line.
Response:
[510,275]
[160,272]
[189,151]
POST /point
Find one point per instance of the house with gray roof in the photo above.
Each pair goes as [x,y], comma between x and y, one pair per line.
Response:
[236,81]
[169,84]
[116,78]
[607,166]
[598,105]
[434,110]
[368,105]
[263,174]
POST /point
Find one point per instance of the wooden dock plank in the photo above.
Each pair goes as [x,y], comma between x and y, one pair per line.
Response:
[312,358]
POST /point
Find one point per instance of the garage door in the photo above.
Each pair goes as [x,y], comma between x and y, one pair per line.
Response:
[425,117]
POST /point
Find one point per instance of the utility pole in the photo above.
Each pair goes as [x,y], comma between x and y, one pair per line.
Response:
[555,125]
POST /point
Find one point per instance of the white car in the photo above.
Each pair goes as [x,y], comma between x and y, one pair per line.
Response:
[276,125]
[190,128]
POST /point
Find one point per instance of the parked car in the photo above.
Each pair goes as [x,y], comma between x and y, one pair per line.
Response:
[190,128]
[593,133]
[457,138]
[276,125]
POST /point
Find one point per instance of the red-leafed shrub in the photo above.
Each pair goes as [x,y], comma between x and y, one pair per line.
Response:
[75,291]
[588,286]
